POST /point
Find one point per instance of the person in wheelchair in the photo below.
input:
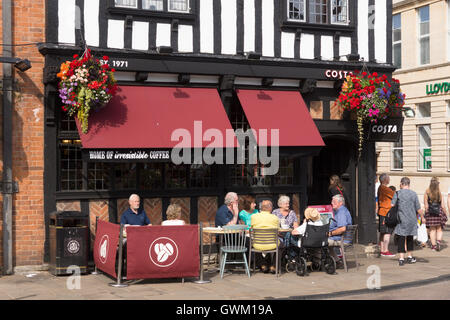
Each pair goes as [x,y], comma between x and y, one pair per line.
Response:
[314,235]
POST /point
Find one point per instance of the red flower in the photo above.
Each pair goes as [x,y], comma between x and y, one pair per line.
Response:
[75,56]
[105,58]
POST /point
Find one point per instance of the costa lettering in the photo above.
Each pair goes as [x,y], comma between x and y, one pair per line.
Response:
[336,74]
[384,129]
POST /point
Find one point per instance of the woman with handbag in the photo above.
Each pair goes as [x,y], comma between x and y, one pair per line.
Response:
[435,213]
[406,229]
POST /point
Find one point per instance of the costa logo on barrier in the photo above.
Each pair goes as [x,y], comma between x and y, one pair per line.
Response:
[103,249]
[163,252]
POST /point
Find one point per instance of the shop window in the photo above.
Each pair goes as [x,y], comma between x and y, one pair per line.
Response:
[424,142]
[70,164]
[285,175]
[155,5]
[150,176]
[397,40]
[176,176]
[424,110]
[424,34]
[125,176]
[99,176]
[202,176]
[397,155]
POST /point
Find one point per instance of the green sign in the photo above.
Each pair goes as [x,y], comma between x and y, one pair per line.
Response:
[437,88]
[426,159]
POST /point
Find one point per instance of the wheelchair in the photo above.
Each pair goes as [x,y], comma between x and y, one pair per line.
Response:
[313,251]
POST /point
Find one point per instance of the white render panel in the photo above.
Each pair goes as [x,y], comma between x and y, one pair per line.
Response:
[345,47]
[185,38]
[91,22]
[327,51]
[363,26]
[140,35]
[66,18]
[287,44]
[307,46]
[116,29]
[380,31]
[249,25]
[206,26]
[163,31]
[268,28]
[229,28]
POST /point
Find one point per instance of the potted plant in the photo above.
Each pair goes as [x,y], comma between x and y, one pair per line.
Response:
[372,98]
[86,84]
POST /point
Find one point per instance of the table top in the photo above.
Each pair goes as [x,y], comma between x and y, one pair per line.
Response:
[212,230]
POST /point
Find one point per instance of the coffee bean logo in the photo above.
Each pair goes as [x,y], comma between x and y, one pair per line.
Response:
[103,249]
[163,252]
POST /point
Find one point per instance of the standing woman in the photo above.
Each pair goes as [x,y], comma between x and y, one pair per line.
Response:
[335,186]
[284,212]
[435,214]
[408,208]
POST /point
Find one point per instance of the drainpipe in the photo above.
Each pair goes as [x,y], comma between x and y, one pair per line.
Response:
[7,184]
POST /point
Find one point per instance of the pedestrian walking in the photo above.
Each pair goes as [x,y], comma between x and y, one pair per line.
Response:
[435,213]
[408,207]
[385,195]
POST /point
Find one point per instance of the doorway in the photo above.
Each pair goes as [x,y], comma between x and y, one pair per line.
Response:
[337,157]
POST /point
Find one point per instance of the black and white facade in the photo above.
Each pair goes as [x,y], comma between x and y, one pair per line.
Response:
[292,45]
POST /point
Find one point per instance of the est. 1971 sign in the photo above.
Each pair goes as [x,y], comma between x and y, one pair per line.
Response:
[388,130]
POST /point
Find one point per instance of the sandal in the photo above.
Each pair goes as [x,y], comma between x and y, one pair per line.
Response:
[273,270]
[264,269]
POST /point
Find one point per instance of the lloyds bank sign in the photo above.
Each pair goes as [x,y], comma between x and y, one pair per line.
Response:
[438,88]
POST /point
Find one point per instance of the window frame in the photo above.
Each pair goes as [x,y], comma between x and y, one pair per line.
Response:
[124,6]
[419,148]
[304,11]
[448,145]
[393,149]
[398,42]
[421,36]
[189,16]
[328,28]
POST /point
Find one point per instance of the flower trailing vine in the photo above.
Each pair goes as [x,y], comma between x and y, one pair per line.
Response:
[372,97]
[86,84]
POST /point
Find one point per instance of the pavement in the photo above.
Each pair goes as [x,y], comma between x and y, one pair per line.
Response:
[373,273]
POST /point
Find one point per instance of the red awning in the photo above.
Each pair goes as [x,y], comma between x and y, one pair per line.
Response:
[148,117]
[283,110]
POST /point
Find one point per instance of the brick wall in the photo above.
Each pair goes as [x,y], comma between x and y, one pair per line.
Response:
[28,136]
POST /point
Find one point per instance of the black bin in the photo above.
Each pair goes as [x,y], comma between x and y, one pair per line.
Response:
[69,234]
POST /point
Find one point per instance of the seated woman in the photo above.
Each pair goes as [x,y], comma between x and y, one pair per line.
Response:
[249,210]
[312,217]
[285,213]
[173,214]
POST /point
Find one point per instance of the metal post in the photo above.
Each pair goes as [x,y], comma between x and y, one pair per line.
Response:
[95,266]
[119,271]
[7,191]
[201,281]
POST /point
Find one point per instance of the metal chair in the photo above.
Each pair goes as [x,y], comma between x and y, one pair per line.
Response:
[264,237]
[349,237]
[234,242]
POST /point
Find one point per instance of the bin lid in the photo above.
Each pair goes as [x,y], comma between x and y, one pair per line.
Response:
[68,214]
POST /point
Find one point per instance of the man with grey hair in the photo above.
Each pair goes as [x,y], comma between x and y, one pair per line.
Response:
[228,213]
[134,215]
[338,225]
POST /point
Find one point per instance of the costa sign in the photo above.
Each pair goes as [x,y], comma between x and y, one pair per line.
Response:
[336,74]
[388,130]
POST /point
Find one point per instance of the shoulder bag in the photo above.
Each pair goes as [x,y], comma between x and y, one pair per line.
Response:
[392,218]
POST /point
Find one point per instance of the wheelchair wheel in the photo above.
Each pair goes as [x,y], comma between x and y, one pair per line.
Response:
[291,266]
[300,267]
[329,265]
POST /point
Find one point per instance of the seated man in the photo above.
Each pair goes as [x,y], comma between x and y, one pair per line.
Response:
[266,220]
[133,215]
[342,219]
[228,213]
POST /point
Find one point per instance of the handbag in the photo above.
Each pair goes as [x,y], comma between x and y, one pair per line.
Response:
[434,208]
[392,219]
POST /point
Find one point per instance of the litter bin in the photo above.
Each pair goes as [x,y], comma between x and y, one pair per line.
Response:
[69,235]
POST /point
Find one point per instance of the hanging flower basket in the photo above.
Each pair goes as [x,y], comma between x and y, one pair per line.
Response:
[372,98]
[85,84]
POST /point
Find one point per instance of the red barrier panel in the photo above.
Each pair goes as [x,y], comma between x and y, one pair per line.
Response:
[105,246]
[163,252]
